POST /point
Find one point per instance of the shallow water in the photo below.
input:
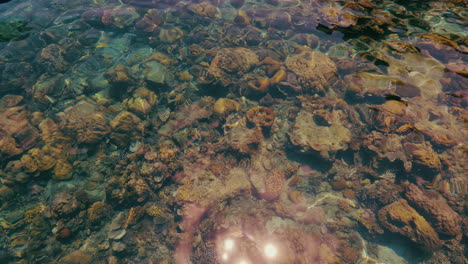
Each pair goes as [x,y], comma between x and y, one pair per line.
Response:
[232,131]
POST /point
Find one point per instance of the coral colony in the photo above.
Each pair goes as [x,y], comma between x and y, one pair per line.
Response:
[233,132]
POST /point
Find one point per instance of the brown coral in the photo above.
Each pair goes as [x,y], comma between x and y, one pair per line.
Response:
[14,124]
[261,117]
[62,170]
[137,105]
[126,127]
[424,155]
[97,211]
[170,34]
[234,60]
[313,69]
[8,146]
[243,139]
[387,146]
[52,58]
[118,75]
[120,17]
[443,218]
[86,122]
[64,204]
[401,218]
[381,192]
[260,85]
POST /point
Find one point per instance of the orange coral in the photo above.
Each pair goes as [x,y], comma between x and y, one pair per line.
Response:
[261,117]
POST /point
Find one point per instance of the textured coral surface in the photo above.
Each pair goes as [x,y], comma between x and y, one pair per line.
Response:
[233,131]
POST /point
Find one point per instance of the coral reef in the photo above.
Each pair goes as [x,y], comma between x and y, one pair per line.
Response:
[159,131]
